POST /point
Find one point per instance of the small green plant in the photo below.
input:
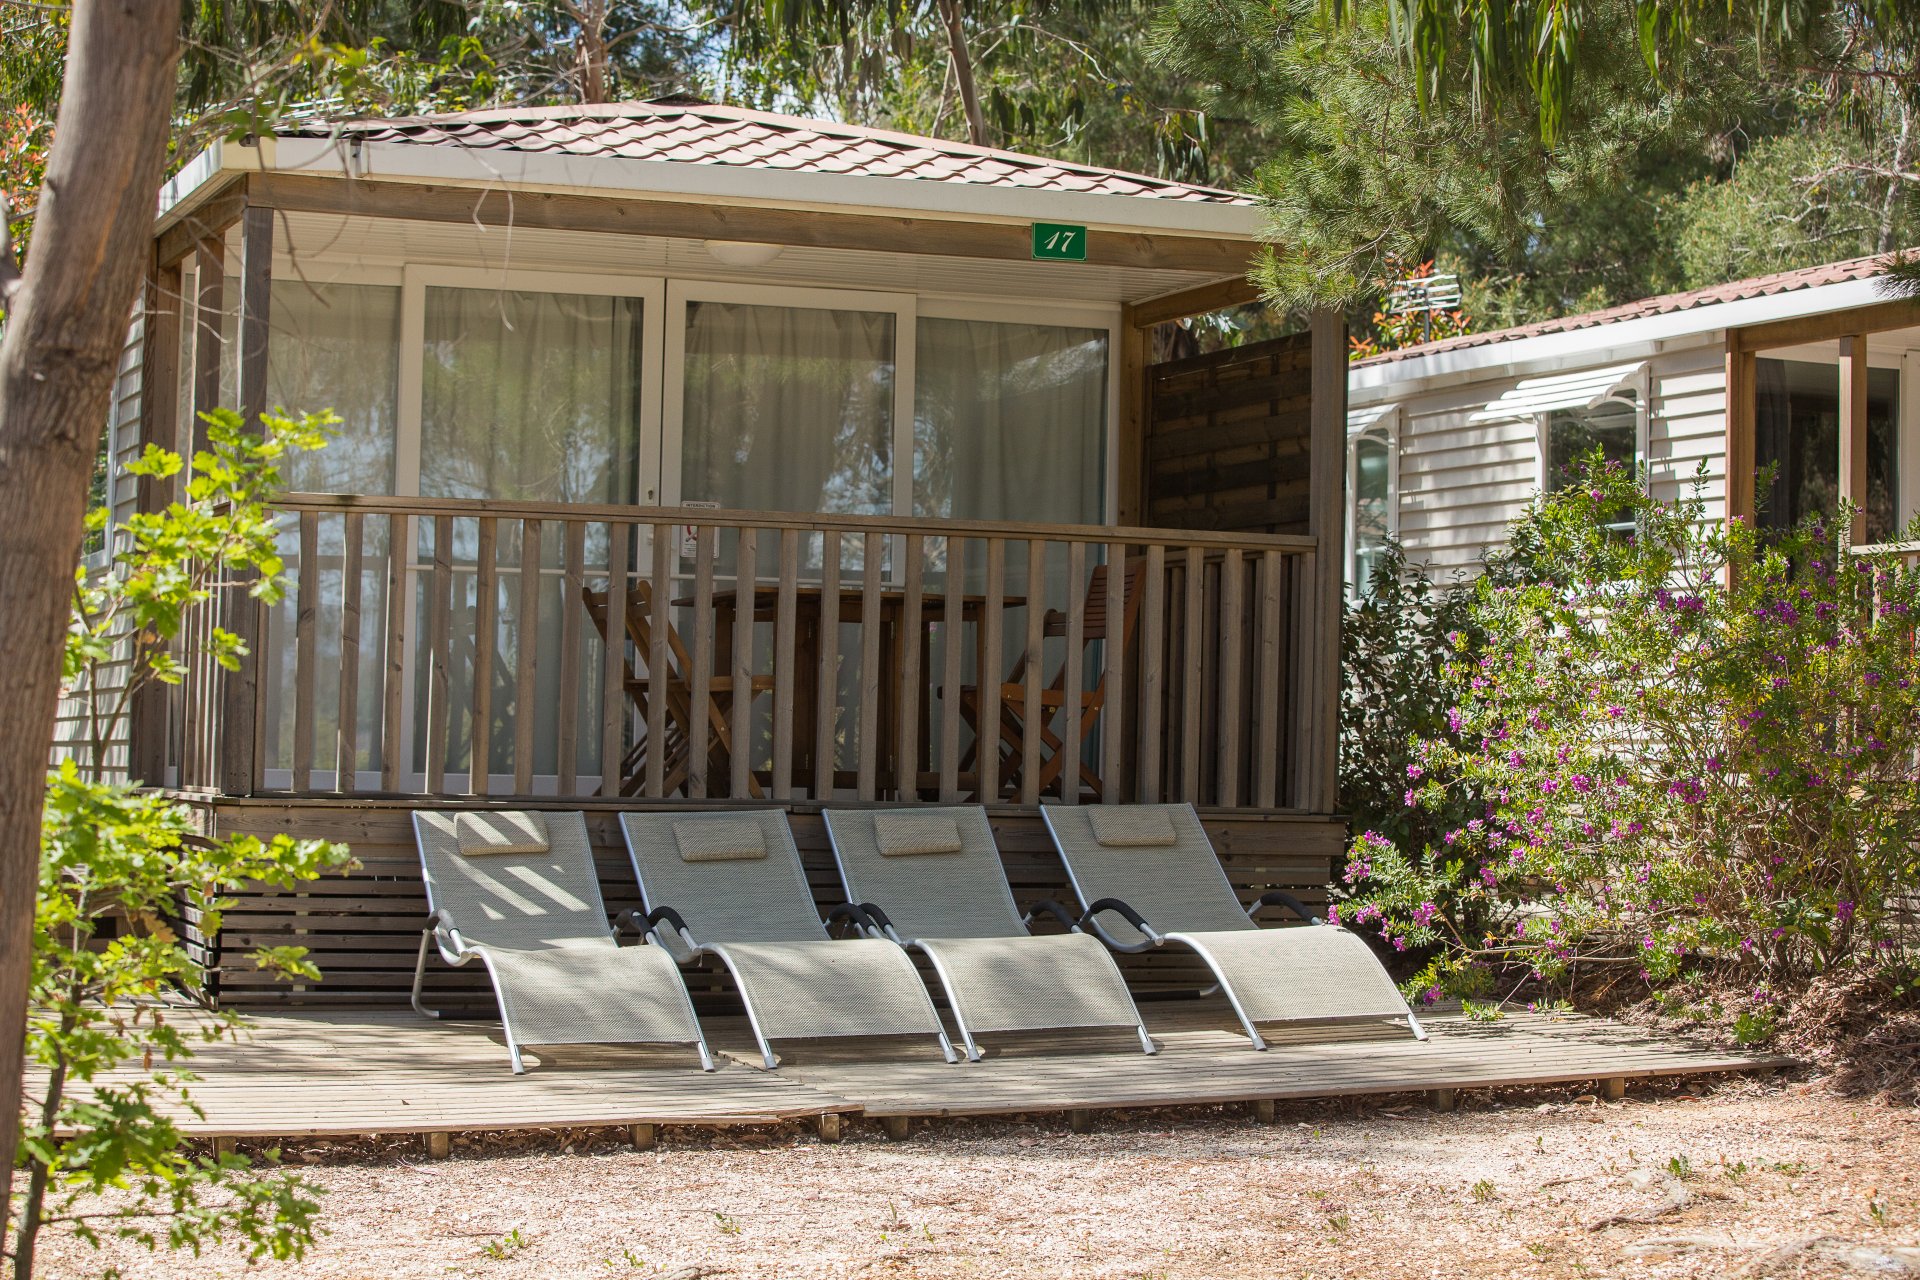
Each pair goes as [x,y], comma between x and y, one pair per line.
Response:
[1339,1222]
[1680,1167]
[1478,1012]
[506,1246]
[1877,1211]
[1755,1026]
[1482,1190]
[1789,1168]
[728,1227]
[1734,1172]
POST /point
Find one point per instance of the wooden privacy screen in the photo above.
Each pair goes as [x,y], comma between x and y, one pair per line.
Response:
[1227,439]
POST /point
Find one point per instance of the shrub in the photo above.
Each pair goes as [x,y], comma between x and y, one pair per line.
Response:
[1680,745]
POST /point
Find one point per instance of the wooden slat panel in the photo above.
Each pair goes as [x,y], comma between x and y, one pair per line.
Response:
[1035,717]
[952,631]
[346,735]
[439,656]
[306,620]
[826,710]
[1153,675]
[1074,675]
[1192,650]
[906,764]
[1266,755]
[870,626]
[986,752]
[705,543]
[526,658]
[613,662]
[393,660]
[1232,637]
[572,611]
[744,582]
[659,660]
[784,621]
[486,588]
[1113,716]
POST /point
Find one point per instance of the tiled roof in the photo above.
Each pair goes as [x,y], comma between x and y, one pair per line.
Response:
[683,133]
[1734,291]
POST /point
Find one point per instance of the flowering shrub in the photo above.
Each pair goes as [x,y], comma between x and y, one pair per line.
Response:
[1662,769]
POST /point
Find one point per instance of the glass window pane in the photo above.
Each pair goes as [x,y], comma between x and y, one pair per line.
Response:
[1009,421]
[1573,434]
[788,408]
[530,396]
[1372,496]
[1797,428]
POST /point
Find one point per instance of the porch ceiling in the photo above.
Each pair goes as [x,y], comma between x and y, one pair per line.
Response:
[326,246]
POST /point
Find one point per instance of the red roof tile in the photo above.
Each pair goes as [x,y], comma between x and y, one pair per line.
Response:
[701,134]
[1666,303]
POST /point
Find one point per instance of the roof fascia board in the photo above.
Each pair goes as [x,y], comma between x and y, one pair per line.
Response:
[619,175]
[1624,339]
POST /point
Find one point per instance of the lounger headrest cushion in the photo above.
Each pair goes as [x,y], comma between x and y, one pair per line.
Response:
[481,834]
[720,840]
[906,835]
[1126,827]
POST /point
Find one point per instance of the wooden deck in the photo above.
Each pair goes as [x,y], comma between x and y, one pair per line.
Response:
[377,1072]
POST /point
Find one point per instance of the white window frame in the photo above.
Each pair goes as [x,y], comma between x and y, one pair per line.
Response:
[1385,428]
[1642,403]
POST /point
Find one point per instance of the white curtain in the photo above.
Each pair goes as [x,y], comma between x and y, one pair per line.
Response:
[530,396]
[788,408]
[1009,421]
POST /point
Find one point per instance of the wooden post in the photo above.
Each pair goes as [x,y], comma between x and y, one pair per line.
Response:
[827,1125]
[1263,1110]
[1326,503]
[645,1137]
[439,1145]
[1442,1099]
[1130,501]
[1741,446]
[240,700]
[1853,431]
[1613,1088]
[896,1127]
[159,407]
[1080,1120]
[209,304]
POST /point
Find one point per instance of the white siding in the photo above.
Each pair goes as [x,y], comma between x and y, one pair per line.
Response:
[1689,426]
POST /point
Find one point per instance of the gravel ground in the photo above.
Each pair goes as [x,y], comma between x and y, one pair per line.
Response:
[1754,1178]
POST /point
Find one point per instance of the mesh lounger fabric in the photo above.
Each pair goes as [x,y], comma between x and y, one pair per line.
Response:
[1275,975]
[956,906]
[538,922]
[757,915]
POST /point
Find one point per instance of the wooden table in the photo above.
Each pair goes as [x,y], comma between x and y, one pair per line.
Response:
[884,688]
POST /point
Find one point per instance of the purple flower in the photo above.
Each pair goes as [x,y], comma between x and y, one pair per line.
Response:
[1414,771]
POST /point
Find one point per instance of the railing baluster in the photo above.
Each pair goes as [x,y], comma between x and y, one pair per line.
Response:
[1226,773]
[526,658]
[986,745]
[952,627]
[346,735]
[572,608]
[826,689]
[746,580]
[393,662]
[660,673]
[613,665]
[1192,693]
[1072,676]
[1035,715]
[906,764]
[785,609]
[700,742]
[485,628]
[306,619]
[870,625]
[1113,717]
[439,642]
[1153,675]
[1266,759]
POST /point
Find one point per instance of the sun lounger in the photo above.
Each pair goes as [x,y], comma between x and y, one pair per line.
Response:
[518,892]
[931,879]
[1147,876]
[730,885]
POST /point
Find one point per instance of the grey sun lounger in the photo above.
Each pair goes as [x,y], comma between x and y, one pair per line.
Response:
[1147,876]
[931,879]
[730,885]
[518,892]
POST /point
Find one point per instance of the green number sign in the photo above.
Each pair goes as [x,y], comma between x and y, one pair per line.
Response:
[1059,242]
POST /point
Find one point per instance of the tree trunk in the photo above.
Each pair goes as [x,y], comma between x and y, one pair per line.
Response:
[591,17]
[91,244]
[963,71]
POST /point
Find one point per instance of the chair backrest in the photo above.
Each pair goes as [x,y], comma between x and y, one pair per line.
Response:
[732,876]
[1156,858]
[1094,623]
[935,872]
[519,880]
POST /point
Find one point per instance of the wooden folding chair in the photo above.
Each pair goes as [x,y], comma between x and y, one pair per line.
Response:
[1011,746]
[677,689]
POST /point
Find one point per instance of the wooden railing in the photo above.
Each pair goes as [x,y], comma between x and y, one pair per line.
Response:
[441,647]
